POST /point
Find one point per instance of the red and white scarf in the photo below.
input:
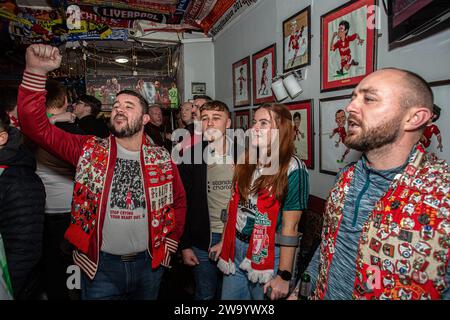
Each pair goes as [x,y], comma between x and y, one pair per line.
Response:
[260,257]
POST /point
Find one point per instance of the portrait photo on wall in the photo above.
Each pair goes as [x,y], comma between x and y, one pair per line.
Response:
[348,44]
[242,119]
[303,122]
[264,70]
[158,90]
[333,153]
[296,44]
[241,82]
[436,135]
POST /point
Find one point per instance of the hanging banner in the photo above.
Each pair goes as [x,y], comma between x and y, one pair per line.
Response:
[220,9]
[198,8]
[165,7]
[234,11]
[179,13]
[141,27]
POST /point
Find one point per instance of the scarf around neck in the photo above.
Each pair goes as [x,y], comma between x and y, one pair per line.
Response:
[260,257]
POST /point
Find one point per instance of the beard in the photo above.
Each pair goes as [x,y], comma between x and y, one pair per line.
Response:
[373,138]
[129,130]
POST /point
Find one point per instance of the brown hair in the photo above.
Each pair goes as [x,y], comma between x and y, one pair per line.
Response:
[56,94]
[216,105]
[277,183]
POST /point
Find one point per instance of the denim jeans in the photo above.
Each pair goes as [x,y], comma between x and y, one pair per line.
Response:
[237,286]
[123,280]
[208,278]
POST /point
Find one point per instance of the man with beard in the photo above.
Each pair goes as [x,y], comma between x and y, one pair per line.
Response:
[129,203]
[386,232]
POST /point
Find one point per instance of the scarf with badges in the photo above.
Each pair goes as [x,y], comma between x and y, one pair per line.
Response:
[404,247]
[92,182]
[260,258]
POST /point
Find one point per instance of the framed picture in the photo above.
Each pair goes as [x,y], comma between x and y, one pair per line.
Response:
[264,70]
[413,20]
[436,137]
[296,44]
[198,88]
[334,155]
[242,119]
[303,121]
[241,82]
[348,45]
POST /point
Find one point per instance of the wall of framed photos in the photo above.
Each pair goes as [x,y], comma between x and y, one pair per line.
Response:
[263,26]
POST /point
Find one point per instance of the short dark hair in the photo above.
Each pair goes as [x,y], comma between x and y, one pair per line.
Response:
[417,91]
[346,25]
[4,120]
[142,101]
[93,102]
[437,112]
[297,115]
[202,96]
[56,94]
[217,106]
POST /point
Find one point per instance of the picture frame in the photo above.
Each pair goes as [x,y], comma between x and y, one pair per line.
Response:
[241,83]
[242,119]
[348,40]
[198,88]
[303,130]
[431,137]
[296,40]
[264,64]
[333,153]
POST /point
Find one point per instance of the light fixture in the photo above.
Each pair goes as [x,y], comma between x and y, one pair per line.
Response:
[287,83]
[121,59]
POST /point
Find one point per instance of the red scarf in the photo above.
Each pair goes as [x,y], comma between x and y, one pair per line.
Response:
[260,257]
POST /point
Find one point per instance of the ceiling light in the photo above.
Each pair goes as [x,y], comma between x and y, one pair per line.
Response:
[121,59]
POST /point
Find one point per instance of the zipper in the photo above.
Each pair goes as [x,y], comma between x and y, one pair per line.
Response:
[359,198]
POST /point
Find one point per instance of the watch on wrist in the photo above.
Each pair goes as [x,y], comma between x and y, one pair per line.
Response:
[285,275]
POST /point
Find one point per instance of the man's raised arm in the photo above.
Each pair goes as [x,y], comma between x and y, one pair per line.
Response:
[31,108]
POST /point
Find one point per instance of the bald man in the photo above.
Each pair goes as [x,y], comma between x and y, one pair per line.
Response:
[386,232]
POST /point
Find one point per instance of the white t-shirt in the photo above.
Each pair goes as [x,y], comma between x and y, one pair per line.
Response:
[125,229]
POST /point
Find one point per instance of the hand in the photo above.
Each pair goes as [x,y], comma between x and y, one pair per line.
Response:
[440,147]
[189,258]
[215,251]
[63,117]
[41,58]
[280,288]
[360,41]
[335,34]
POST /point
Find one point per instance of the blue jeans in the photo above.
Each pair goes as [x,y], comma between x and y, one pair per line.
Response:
[237,286]
[123,280]
[208,278]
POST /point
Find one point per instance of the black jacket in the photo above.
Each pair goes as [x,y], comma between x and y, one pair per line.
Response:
[197,227]
[91,125]
[22,204]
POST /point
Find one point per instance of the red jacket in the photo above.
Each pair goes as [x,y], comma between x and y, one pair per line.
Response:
[83,152]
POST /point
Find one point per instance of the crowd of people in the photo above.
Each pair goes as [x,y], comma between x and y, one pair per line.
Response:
[113,200]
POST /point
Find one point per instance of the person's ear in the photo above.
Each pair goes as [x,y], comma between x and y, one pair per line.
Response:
[228,123]
[145,119]
[417,118]
[3,138]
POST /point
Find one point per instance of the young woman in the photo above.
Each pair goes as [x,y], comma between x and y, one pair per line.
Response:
[268,199]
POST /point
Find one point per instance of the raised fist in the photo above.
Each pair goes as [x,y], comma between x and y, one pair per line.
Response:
[42,58]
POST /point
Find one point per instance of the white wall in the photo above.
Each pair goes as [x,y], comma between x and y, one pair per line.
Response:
[262,26]
[198,65]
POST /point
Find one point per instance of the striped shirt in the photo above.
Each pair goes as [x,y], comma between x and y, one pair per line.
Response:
[296,198]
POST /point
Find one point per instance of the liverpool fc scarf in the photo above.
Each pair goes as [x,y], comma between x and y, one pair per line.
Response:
[260,257]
